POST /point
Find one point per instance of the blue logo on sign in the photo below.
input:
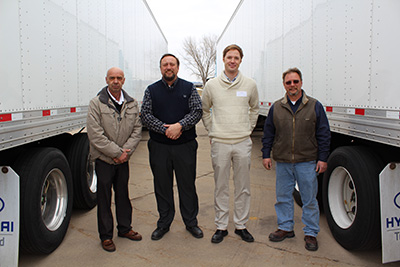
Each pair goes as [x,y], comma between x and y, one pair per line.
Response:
[2,205]
[397,200]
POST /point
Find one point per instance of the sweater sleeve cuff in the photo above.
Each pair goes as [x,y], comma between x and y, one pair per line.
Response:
[266,153]
[323,156]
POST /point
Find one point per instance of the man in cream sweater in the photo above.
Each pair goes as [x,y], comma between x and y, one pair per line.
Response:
[230,111]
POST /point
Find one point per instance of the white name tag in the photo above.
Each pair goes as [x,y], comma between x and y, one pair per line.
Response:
[241,93]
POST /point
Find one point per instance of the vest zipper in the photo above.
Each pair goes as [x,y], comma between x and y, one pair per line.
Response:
[293,135]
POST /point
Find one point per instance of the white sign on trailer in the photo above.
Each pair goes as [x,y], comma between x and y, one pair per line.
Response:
[390,212]
[9,216]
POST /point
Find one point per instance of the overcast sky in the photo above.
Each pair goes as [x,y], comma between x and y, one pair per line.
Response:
[179,19]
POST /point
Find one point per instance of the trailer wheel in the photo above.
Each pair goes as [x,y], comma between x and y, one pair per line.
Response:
[83,174]
[46,199]
[351,197]
[297,196]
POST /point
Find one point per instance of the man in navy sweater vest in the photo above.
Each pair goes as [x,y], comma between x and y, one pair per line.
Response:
[170,110]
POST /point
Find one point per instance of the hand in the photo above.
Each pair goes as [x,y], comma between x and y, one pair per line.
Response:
[321,167]
[174,131]
[124,156]
[267,163]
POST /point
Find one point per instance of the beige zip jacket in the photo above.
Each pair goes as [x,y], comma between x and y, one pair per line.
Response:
[109,131]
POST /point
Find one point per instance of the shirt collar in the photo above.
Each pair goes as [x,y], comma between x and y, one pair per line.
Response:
[234,79]
[121,98]
[172,86]
[296,102]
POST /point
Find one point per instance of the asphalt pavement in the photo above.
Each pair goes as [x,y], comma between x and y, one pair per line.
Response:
[81,245]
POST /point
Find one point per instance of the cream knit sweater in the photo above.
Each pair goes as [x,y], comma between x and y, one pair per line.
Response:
[230,110]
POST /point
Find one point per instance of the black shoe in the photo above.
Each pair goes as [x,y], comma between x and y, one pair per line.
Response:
[219,236]
[159,233]
[245,235]
[195,231]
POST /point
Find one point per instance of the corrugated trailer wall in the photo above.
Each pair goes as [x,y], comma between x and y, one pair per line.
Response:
[345,49]
[57,52]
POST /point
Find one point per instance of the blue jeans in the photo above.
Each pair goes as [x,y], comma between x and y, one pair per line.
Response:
[286,176]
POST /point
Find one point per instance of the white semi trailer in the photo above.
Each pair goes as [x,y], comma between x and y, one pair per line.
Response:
[348,51]
[54,55]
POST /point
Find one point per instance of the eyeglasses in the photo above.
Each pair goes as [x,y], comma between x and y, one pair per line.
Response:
[294,82]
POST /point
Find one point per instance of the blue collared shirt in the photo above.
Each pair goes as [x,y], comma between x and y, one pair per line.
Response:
[234,79]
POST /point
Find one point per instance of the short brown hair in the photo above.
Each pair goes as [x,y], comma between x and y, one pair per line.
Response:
[169,55]
[291,70]
[232,47]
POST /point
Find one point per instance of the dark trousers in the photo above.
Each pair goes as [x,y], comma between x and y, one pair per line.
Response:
[116,176]
[164,161]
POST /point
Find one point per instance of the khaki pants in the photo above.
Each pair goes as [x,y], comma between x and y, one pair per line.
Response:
[239,157]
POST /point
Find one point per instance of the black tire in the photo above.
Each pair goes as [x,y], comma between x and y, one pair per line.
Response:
[46,199]
[83,175]
[297,197]
[352,178]
[260,122]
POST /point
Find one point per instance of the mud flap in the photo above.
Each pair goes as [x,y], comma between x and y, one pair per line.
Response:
[9,216]
[389,180]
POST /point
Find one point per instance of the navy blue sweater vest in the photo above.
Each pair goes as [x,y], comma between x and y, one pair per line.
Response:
[170,105]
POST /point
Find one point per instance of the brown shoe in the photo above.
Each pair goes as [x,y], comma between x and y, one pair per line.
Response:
[108,245]
[132,235]
[311,243]
[279,235]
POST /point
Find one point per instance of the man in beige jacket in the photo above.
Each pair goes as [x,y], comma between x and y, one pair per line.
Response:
[114,131]
[233,99]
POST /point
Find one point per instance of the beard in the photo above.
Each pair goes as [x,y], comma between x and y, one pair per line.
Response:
[169,78]
[295,93]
